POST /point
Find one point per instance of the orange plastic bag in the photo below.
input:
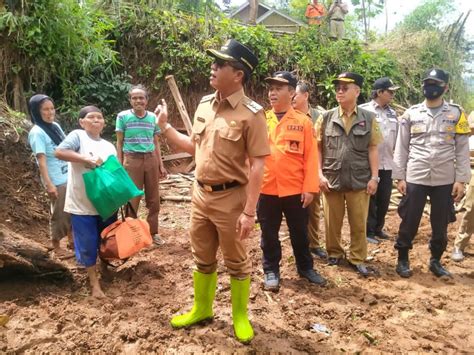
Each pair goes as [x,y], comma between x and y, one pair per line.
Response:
[124,238]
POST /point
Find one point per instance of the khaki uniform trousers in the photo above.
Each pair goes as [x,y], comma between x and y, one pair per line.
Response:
[336,29]
[334,204]
[314,215]
[214,217]
[143,169]
[466,229]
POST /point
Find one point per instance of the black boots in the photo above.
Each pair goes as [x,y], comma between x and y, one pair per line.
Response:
[437,269]
[403,265]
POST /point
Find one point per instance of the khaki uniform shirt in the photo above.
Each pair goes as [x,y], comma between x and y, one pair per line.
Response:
[348,118]
[433,150]
[226,133]
[338,12]
[387,119]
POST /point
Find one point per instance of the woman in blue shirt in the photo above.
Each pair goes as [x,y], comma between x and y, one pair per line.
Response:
[44,137]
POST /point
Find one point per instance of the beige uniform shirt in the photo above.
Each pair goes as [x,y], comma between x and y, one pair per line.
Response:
[386,118]
[226,133]
[433,150]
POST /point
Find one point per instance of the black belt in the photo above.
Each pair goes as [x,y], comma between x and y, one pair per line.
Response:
[220,187]
[337,19]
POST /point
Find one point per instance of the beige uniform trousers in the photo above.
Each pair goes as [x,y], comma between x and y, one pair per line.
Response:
[334,204]
[466,229]
[336,29]
[143,169]
[314,214]
[214,217]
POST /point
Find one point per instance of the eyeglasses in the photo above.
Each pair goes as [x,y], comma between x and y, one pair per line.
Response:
[221,62]
[342,88]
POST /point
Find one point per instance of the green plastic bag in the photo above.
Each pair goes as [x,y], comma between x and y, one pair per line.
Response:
[109,187]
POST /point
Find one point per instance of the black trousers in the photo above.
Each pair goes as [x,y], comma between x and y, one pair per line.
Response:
[379,203]
[270,210]
[411,210]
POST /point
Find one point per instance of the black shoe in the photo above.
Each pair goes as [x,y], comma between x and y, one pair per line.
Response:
[313,277]
[437,269]
[319,252]
[403,268]
[361,269]
[382,235]
[371,239]
[334,261]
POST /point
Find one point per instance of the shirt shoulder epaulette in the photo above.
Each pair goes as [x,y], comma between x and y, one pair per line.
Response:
[251,105]
[207,98]
[459,107]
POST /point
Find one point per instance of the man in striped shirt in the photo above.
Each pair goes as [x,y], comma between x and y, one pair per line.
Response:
[138,150]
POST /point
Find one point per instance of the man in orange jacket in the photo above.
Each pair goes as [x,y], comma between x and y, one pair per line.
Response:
[315,13]
[289,182]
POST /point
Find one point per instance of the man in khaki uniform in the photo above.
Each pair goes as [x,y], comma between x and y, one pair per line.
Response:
[229,141]
[337,12]
[466,229]
[301,103]
[348,136]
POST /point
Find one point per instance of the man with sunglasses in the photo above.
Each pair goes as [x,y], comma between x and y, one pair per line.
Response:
[348,137]
[382,94]
[431,159]
[229,141]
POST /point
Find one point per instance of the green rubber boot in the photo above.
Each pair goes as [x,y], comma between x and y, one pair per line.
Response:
[240,290]
[204,293]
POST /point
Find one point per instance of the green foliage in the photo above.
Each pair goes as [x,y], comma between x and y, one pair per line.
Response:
[72,52]
[427,16]
[53,42]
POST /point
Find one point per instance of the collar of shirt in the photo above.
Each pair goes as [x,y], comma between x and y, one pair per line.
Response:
[233,99]
[445,106]
[347,114]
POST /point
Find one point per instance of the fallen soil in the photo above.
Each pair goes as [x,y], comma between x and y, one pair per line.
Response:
[381,313]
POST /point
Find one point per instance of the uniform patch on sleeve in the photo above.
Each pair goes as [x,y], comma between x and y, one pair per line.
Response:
[462,127]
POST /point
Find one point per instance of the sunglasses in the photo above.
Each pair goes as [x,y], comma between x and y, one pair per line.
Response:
[342,88]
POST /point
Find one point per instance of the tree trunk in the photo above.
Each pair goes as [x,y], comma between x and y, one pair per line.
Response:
[21,255]
[365,21]
[253,12]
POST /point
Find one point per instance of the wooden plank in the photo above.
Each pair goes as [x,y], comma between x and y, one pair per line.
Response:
[176,156]
[180,103]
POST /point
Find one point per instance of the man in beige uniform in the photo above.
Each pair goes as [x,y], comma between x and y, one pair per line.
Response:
[348,136]
[229,140]
[466,229]
[337,11]
[301,103]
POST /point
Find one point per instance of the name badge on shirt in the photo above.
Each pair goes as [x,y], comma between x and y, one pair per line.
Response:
[418,128]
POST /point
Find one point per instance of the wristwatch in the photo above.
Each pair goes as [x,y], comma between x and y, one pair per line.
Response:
[376,178]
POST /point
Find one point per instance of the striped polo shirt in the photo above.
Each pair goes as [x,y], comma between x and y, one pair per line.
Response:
[138,133]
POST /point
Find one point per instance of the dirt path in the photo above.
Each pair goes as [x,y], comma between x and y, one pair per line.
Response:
[383,313]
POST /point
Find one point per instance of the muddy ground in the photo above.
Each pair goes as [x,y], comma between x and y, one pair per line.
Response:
[381,313]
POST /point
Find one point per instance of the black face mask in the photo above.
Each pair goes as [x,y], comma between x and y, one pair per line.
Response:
[432,91]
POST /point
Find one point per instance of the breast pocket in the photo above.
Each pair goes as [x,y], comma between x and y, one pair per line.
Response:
[361,138]
[198,129]
[446,133]
[418,133]
[230,140]
[294,142]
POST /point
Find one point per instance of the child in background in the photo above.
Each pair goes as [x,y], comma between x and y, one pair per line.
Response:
[85,150]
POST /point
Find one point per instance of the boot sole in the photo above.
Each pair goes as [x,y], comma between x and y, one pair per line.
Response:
[204,321]
[404,275]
